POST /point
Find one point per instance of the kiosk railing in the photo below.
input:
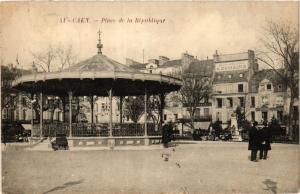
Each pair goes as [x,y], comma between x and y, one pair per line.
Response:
[96,130]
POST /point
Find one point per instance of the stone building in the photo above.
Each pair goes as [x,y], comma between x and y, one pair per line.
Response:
[238,82]
[185,67]
[232,75]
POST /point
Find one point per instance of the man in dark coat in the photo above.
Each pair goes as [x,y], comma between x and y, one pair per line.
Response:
[166,134]
[254,141]
[266,141]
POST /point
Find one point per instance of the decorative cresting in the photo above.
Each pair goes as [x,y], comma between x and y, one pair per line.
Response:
[99,45]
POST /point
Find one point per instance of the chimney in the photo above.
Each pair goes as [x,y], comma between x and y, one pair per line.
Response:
[34,68]
[216,56]
[162,60]
[186,60]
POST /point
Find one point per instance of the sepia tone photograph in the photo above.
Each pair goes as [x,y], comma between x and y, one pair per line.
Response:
[149,97]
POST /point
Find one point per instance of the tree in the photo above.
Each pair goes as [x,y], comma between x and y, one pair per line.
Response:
[8,75]
[45,60]
[9,96]
[195,89]
[153,109]
[281,45]
[55,57]
[134,106]
[65,56]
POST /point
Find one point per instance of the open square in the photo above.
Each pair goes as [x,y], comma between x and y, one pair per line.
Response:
[192,167]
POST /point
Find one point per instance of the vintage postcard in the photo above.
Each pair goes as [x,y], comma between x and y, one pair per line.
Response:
[149,97]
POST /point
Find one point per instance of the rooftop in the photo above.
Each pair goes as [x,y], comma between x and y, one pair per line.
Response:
[98,63]
[203,66]
[230,77]
[171,63]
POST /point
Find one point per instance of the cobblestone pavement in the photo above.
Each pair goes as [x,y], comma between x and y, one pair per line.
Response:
[190,167]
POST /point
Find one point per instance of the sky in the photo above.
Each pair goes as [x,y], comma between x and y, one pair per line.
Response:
[198,28]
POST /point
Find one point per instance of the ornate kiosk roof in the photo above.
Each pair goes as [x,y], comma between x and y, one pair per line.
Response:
[95,76]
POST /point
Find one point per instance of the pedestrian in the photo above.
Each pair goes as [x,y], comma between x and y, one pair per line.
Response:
[254,141]
[165,135]
[170,131]
[266,141]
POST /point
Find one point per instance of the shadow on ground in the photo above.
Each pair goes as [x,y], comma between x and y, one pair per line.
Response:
[271,185]
[67,184]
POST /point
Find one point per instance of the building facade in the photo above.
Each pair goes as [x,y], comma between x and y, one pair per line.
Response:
[236,81]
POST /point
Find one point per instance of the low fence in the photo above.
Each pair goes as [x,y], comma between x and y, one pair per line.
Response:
[96,130]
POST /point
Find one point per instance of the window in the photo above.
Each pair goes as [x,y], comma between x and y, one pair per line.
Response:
[252,101]
[18,114]
[176,116]
[165,117]
[264,116]
[240,88]
[230,103]
[23,101]
[229,76]
[280,116]
[150,71]
[197,112]
[102,106]
[24,114]
[279,87]
[241,75]
[242,104]
[262,87]
[252,116]
[269,87]
[5,113]
[219,116]
[206,111]
[296,113]
[219,102]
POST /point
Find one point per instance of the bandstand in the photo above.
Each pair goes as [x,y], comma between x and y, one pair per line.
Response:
[103,77]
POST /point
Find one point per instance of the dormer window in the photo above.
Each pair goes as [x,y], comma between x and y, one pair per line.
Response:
[269,87]
[241,75]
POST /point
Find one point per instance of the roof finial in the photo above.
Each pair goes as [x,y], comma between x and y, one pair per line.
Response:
[99,45]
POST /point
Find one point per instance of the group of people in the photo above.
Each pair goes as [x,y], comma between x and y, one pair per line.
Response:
[259,140]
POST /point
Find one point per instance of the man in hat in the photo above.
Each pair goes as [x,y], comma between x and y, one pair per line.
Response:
[266,141]
[254,141]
